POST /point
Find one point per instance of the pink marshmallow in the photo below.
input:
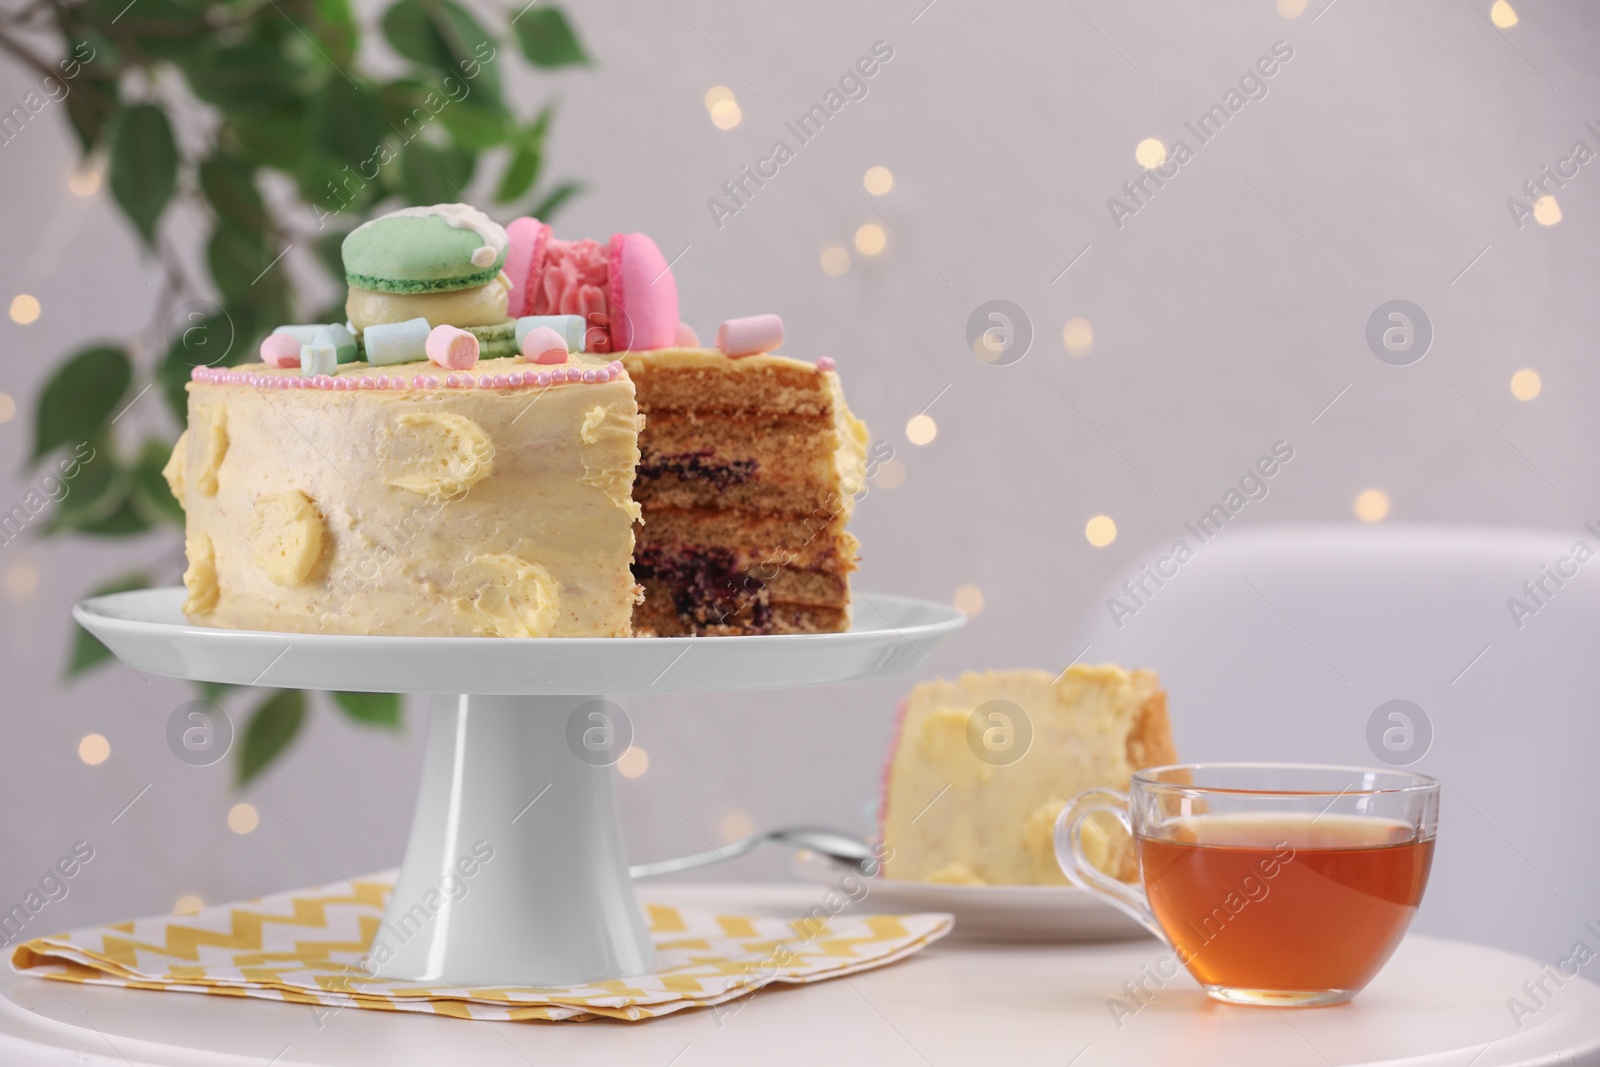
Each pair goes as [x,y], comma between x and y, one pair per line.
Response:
[451,347]
[826,363]
[280,350]
[748,336]
[544,345]
[687,338]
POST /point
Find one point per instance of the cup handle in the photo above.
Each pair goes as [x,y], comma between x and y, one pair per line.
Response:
[1129,899]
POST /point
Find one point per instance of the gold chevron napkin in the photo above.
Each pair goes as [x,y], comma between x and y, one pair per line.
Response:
[306,947]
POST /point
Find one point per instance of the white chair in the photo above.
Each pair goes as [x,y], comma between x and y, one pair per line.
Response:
[1280,642]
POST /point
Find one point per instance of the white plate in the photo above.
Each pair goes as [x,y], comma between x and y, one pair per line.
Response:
[147,629]
[1037,913]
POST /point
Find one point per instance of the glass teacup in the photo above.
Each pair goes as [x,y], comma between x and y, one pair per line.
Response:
[1274,884]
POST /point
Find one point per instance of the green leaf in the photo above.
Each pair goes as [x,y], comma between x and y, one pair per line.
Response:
[430,175]
[547,39]
[79,399]
[476,128]
[152,496]
[249,76]
[215,691]
[519,176]
[231,190]
[410,29]
[272,726]
[95,487]
[547,207]
[164,29]
[532,135]
[348,123]
[371,709]
[237,261]
[336,29]
[91,102]
[144,165]
[332,188]
[441,34]
[87,651]
[127,519]
[522,172]
[271,138]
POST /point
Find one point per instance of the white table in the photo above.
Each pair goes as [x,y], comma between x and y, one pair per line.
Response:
[1437,1004]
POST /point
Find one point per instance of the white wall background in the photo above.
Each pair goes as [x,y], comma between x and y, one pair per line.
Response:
[1226,315]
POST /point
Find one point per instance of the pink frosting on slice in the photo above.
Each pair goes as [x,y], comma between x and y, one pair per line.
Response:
[643,295]
[526,237]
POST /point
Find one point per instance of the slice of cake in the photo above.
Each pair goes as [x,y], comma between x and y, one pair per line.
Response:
[979,769]
[748,473]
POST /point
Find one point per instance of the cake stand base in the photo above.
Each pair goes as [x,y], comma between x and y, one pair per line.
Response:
[514,873]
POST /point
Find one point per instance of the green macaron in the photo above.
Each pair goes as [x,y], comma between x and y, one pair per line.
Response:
[404,252]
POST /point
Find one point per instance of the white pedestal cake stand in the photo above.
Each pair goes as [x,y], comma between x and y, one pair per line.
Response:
[519,754]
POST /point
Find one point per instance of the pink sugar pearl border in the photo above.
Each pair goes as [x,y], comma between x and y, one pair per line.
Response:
[527,379]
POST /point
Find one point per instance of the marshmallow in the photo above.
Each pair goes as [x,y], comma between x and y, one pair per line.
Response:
[318,359]
[396,342]
[342,340]
[544,345]
[687,338]
[570,328]
[452,347]
[748,336]
[304,334]
[280,350]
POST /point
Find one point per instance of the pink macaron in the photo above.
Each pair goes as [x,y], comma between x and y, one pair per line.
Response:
[526,240]
[641,295]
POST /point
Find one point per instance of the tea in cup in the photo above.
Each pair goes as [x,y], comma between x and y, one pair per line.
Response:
[1275,884]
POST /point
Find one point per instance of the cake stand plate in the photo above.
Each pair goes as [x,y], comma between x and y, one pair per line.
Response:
[518,764]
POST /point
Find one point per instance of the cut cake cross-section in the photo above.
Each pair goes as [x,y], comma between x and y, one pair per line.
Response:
[748,473]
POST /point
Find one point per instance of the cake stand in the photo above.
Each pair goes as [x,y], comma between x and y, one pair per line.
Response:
[514,872]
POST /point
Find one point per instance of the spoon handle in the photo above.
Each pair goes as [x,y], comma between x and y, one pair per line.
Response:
[830,843]
[698,859]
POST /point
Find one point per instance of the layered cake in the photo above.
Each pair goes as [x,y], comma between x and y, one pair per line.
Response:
[748,473]
[459,458]
[980,768]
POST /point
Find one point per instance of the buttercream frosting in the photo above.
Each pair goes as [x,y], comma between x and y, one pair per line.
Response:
[444,511]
